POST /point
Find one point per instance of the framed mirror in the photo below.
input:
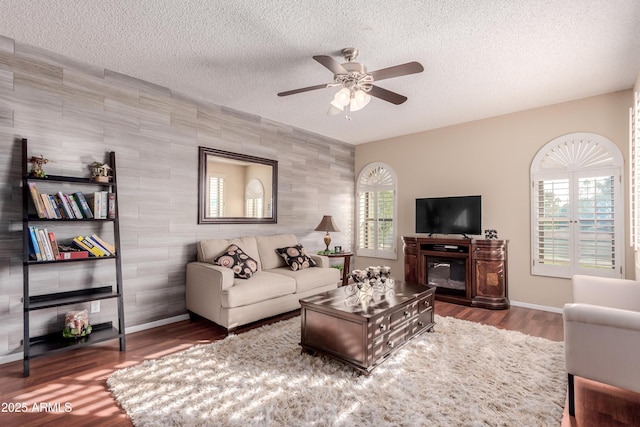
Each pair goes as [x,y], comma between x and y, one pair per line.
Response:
[236,188]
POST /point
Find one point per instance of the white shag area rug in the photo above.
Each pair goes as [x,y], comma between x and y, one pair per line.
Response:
[462,374]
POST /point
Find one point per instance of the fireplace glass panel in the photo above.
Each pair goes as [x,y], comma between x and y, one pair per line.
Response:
[447,274]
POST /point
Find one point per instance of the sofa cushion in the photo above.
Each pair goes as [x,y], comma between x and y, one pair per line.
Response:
[267,246]
[263,285]
[296,257]
[310,278]
[209,250]
[235,258]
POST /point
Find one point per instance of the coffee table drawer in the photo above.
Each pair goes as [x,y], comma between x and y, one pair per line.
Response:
[424,320]
[386,343]
[398,317]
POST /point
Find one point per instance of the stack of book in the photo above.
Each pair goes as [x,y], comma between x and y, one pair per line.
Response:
[43,246]
[94,245]
[101,204]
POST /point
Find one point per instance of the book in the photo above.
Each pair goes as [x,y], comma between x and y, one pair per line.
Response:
[37,200]
[105,251]
[44,243]
[98,204]
[73,254]
[74,206]
[105,204]
[108,246]
[54,244]
[33,240]
[84,206]
[82,243]
[47,206]
[64,202]
[54,206]
[111,205]
[94,203]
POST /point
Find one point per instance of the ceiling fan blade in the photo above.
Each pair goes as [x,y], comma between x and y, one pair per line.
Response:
[331,64]
[387,95]
[304,89]
[397,71]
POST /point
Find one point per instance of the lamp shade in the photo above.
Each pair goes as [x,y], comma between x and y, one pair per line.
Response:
[327,224]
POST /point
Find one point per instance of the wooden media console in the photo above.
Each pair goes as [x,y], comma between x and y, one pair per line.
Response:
[464,271]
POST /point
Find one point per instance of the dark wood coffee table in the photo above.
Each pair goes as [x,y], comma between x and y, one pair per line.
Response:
[363,330]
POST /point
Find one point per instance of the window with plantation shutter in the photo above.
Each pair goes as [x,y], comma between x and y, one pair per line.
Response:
[634,171]
[576,199]
[376,210]
[216,196]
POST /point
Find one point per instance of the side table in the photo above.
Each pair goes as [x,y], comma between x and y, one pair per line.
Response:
[347,263]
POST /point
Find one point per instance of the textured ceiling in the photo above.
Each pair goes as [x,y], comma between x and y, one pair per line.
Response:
[481,57]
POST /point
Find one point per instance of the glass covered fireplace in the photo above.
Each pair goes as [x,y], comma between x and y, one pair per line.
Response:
[447,274]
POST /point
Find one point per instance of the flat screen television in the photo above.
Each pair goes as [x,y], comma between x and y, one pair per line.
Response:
[449,215]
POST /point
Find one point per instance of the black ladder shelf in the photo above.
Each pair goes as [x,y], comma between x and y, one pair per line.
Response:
[38,346]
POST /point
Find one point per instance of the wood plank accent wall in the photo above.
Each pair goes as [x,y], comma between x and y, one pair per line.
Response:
[73,113]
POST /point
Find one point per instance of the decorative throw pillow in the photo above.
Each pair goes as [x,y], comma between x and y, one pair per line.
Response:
[243,265]
[296,257]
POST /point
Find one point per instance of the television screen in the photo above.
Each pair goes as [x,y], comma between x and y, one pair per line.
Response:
[449,215]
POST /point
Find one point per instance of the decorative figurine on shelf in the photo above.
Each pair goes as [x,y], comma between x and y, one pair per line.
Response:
[100,172]
[76,324]
[490,234]
[37,164]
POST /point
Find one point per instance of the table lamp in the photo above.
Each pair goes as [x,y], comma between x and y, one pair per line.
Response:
[327,225]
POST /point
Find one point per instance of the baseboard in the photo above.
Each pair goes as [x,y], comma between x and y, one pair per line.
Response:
[161,322]
[536,307]
[14,357]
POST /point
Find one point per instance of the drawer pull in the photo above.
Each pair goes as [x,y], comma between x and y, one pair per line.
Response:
[390,344]
[383,327]
[407,314]
[427,303]
[420,323]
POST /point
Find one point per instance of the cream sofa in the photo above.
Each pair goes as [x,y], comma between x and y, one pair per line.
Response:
[602,333]
[214,293]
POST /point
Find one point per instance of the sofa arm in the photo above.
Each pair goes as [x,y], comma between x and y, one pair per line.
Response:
[214,275]
[321,260]
[602,316]
[602,344]
[205,283]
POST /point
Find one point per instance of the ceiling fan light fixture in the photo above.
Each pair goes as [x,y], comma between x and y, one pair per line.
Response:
[342,97]
[335,108]
[360,100]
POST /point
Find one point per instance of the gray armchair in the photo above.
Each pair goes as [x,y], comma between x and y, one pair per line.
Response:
[602,333]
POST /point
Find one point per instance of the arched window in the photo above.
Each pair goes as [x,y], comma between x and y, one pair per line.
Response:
[253,199]
[376,211]
[577,223]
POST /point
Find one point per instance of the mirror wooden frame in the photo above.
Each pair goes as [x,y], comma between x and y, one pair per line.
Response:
[205,153]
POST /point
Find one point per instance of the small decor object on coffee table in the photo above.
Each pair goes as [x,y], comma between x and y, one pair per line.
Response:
[76,324]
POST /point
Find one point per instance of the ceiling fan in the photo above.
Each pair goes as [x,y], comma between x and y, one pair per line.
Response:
[357,84]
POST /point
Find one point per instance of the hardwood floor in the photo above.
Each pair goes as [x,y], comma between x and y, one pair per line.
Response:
[78,379]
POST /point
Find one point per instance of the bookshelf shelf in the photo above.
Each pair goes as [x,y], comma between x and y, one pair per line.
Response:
[39,302]
[55,261]
[53,343]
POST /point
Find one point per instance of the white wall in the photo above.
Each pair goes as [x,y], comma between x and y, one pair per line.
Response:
[492,158]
